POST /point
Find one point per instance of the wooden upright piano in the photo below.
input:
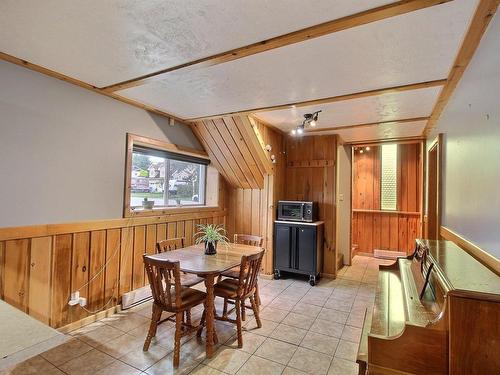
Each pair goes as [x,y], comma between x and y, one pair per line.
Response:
[436,312]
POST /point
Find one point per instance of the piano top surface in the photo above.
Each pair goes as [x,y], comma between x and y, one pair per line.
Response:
[461,270]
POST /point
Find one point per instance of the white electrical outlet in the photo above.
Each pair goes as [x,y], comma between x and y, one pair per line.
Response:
[82,301]
[75,299]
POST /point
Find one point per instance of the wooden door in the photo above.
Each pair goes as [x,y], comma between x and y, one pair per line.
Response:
[434,190]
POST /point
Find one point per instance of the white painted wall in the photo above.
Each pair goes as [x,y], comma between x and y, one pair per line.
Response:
[471,127]
[62,149]
[344,208]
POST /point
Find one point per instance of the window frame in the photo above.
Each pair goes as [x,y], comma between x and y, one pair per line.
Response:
[137,140]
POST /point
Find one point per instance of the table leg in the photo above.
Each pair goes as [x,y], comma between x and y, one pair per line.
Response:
[210,319]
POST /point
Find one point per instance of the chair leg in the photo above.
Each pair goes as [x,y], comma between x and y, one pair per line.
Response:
[155,318]
[255,309]
[257,295]
[178,334]
[243,311]
[238,322]
[224,309]
[202,322]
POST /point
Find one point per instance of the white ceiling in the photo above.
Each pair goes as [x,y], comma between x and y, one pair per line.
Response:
[105,42]
[378,108]
[414,47]
[381,131]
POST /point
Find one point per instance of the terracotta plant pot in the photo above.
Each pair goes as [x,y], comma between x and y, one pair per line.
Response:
[211,248]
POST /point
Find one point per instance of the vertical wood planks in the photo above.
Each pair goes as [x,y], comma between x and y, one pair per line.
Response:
[126,260]
[112,276]
[16,265]
[139,250]
[2,268]
[97,261]
[80,271]
[39,278]
[61,280]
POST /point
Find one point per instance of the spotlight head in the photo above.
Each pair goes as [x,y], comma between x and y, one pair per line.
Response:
[313,123]
[293,132]
[361,151]
[300,130]
[367,148]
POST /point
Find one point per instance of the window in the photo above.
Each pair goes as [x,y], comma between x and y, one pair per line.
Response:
[163,176]
[388,184]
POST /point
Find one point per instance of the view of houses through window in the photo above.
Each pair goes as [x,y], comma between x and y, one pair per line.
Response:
[166,181]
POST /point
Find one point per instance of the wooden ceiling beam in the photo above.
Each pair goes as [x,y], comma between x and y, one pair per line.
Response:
[74,81]
[358,19]
[396,122]
[378,142]
[482,17]
[331,99]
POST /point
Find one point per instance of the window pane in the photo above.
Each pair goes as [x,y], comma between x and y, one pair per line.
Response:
[389,189]
[185,183]
[147,180]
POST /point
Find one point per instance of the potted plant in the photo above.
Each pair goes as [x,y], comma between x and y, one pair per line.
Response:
[211,235]
[147,205]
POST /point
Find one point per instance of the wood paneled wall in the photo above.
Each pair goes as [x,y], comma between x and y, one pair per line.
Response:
[234,146]
[310,175]
[375,229]
[253,211]
[40,268]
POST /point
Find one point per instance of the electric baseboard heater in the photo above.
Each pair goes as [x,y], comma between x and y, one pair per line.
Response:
[136,297]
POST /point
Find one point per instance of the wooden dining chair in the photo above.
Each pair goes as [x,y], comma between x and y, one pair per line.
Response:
[237,291]
[170,296]
[234,273]
[171,244]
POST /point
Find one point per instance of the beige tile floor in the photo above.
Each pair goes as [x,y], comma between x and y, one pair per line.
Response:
[306,330]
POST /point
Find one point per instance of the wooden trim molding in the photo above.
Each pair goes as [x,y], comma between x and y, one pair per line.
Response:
[386,212]
[482,17]
[133,139]
[331,99]
[31,231]
[74,81]
[400,140]
[358,19]
[481,255]
[343,127]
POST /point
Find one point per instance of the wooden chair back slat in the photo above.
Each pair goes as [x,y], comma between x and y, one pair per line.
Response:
[248,239]
[169,245]
[249,271]
[165,282]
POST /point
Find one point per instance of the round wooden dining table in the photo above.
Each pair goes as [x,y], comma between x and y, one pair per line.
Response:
[192,259]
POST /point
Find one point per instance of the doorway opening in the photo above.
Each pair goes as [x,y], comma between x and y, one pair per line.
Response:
[387,196]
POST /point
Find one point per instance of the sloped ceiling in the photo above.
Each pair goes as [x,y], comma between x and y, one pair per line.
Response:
[233,146]
[166,56]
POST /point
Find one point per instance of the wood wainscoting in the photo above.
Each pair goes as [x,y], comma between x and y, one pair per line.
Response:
[373,228]
[41,265]
[310,176]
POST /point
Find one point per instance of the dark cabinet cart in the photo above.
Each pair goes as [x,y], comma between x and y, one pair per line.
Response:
[298,248]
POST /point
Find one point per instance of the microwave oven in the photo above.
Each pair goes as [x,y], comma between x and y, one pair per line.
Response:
[297,211]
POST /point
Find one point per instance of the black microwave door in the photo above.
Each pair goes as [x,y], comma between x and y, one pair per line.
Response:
[291,211]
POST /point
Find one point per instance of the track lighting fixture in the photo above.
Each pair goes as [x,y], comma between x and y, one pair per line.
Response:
[310,119]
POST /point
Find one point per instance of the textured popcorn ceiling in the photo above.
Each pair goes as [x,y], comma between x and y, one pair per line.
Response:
[381,131]
[414,47]
[378,108]
[105,42]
